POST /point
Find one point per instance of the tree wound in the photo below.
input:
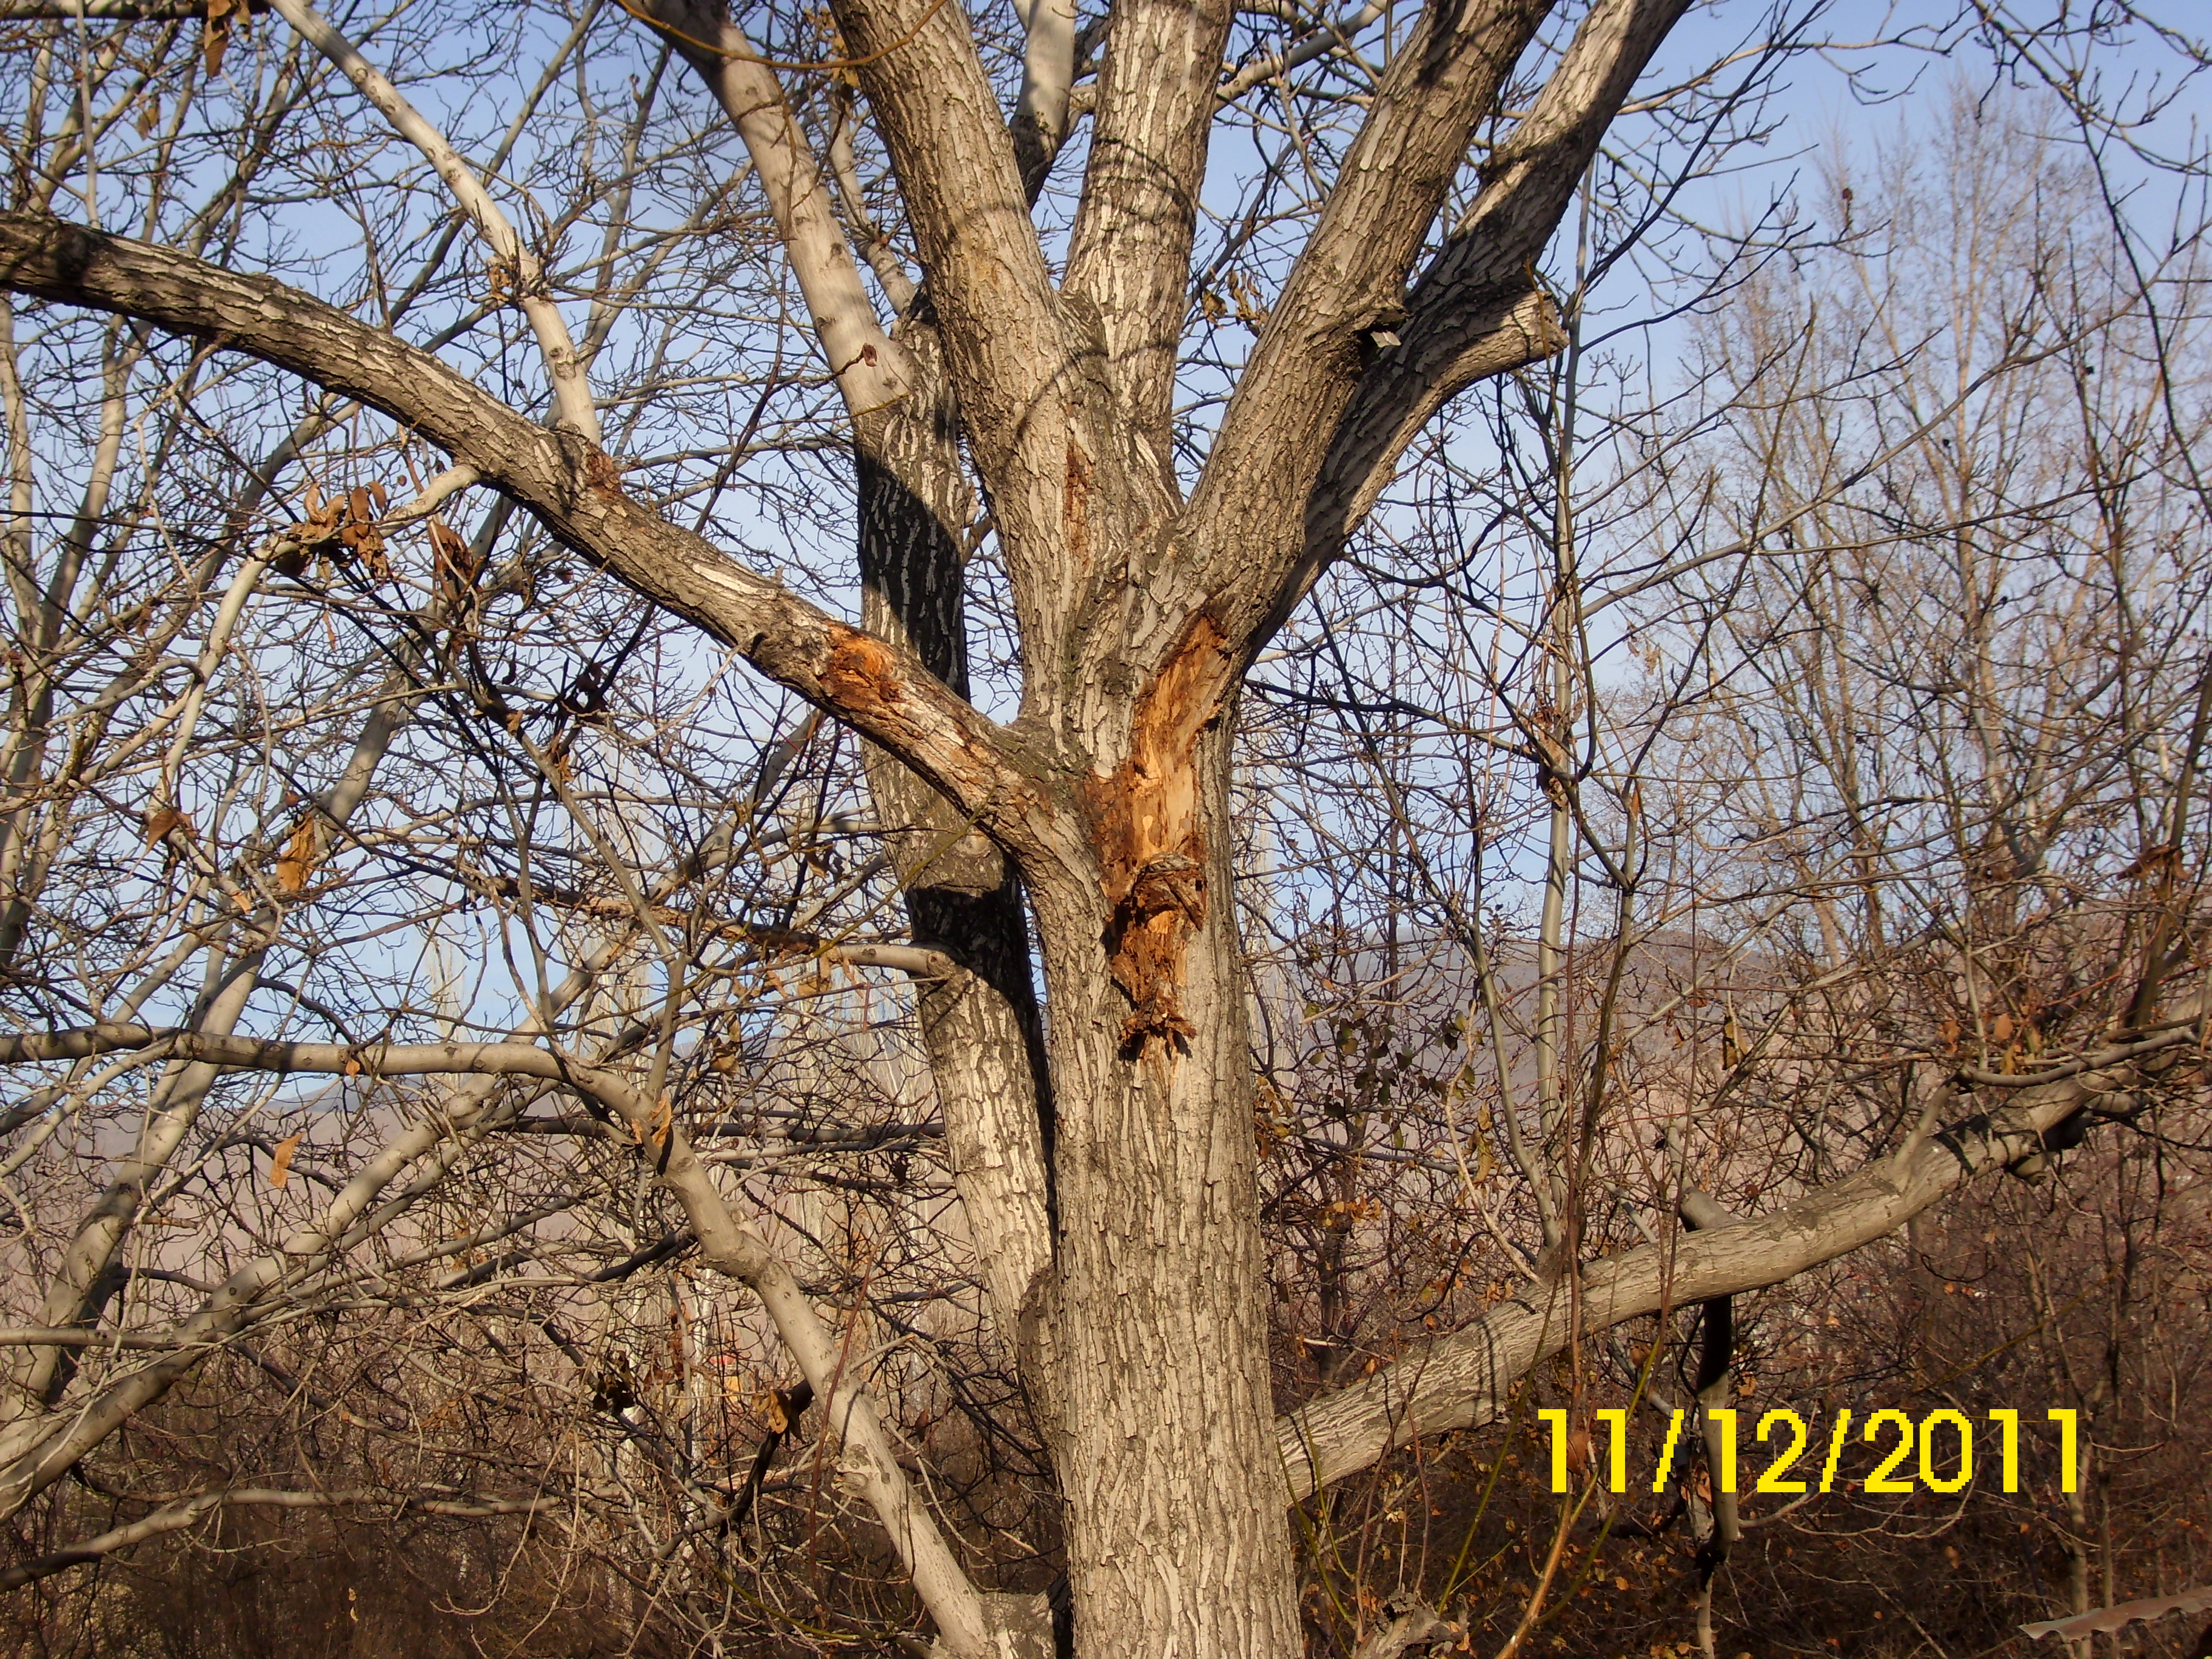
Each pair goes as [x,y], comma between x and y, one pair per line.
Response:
[1151,851]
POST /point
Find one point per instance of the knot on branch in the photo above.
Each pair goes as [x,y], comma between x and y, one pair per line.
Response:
[862,676]
[594,479]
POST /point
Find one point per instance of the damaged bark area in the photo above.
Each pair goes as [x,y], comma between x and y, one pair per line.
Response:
[862,674]
[1151,851]
[862,678]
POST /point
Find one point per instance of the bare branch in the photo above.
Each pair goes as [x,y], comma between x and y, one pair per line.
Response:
[515,265]
[1347,288]
[1474,313]
[1130,255]
[1466,1379]
[572,487]
[172,1518]
[1006,346]
[871,371]
[1333,36]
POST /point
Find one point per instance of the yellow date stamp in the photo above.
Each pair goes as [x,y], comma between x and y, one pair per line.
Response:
[1936,1453]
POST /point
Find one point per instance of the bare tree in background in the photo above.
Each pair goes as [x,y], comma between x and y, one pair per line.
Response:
[345,344]
[1849,835]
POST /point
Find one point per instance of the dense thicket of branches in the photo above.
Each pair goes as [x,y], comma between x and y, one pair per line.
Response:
[1557,793]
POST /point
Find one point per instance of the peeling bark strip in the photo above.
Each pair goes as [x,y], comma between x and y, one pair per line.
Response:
[1143,823]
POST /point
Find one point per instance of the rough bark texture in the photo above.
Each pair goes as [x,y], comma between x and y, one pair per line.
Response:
[1178,1539]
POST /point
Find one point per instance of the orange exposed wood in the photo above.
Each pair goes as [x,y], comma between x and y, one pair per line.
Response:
[1143,819]
[861,675]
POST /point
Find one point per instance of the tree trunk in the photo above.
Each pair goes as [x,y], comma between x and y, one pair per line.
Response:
[1137,1311]
[1178,1533]
[981,1029]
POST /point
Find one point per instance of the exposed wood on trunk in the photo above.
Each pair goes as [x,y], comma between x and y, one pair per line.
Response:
[1144,820]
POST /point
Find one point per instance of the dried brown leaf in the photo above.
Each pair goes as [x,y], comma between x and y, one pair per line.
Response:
[215,34]
[453,567]
[302,853]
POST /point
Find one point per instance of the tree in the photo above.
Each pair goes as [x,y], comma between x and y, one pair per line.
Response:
[1013,418]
